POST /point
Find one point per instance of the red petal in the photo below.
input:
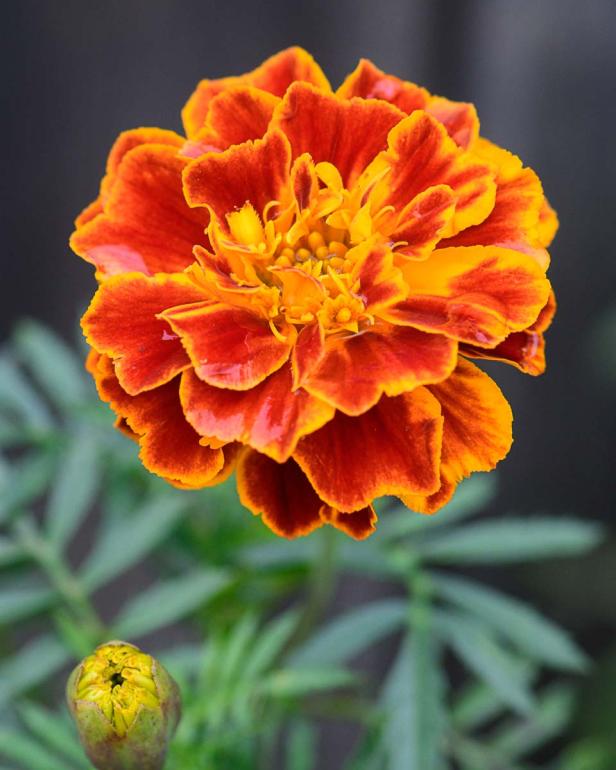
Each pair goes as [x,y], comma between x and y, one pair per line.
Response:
[280,493]
[270,418]
[524,350]
[421,155]
[346,133]
[459,118]
[513,221]
[237,115]
[474,294]
[146,225]
[169,446]
[393,449]
[369,82]
[274,75]
[424,220]
[308,352]
[257,172]
[229,347]
[381,283]
[122,322]
[356,371]
[359,524]
[476,430]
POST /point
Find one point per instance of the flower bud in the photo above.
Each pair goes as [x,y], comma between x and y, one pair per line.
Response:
[126,707]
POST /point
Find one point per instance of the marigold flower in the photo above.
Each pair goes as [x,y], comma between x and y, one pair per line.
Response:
[126,707]
[296,287]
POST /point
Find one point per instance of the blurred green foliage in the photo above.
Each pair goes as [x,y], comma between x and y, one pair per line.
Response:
[92,548]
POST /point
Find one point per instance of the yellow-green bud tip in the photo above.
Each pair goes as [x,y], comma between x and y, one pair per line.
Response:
[126,707]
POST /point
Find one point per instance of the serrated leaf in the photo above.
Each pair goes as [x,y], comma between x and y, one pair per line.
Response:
[294,683]
[21,748]
[22,597]
[478,649]
[55,367]
[470,498]
[167,602]
[349,634]
[512,540]
[55,731]
[127,541]
[34,662]
[18,396]
[74,489]
[531,633]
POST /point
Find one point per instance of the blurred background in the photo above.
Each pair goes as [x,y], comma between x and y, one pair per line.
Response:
[543,78]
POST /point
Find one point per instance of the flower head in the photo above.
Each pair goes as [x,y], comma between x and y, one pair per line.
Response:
[295,288]
[126,707]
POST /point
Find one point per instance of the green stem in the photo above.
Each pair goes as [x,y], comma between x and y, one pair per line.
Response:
[320,587]
[62,579]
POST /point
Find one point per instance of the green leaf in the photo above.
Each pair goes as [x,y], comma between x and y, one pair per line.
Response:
[412,698]
[10,552]
[167,602]
[471,497]
[478,704]
[478,649]
[294,683]
[21,748]
[29,478]
[75,488]
[512,540]
[517,740]
[53,364]
[301,748]
[17,395]
[270,643]
[55,731]
[349,634]
[34,662]
[128,540]
[21,597]
[532,634]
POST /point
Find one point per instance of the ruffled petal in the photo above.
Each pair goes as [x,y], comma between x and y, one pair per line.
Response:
[235,116]
[393,449]
[420,154]
[358,524]
[123,322]
[548,224]
[270,417]
[255,172]
[278,492]
[169,447]
[356,371]
[475,294]
[369,82]
[459,118]
[526,349]
[275,75]
[423,222]
[348,134]
[146,225]
[308,352]
[514,220]
[476,431]
[229,347]
[381,283]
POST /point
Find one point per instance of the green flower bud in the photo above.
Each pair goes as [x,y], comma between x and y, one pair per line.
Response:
[126,707]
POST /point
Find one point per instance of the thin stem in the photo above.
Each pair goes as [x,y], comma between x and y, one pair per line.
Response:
[62,579]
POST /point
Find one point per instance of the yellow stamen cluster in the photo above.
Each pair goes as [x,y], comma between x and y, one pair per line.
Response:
[118,678]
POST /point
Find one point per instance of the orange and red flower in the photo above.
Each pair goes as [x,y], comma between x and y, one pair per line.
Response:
[295,288]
